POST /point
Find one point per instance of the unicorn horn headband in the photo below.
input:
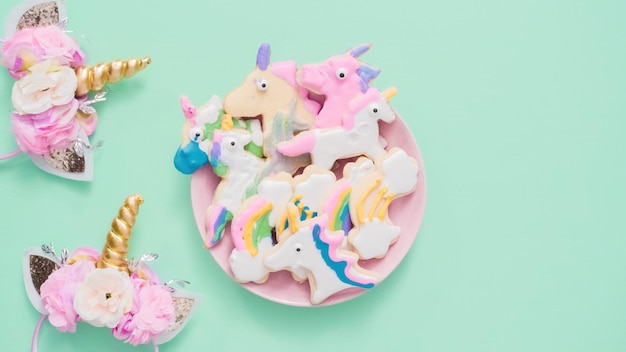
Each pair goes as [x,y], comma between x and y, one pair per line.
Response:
[106,289]
[53,111]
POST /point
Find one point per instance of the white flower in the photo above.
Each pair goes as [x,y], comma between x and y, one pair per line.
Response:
[46,86]
[103,297]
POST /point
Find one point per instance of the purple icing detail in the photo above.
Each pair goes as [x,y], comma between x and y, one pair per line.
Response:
[215,154]
[366,74]
[263,56]
[359,50]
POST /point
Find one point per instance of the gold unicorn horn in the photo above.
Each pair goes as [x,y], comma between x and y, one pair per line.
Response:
[115,249]
[389,93]
[93,78]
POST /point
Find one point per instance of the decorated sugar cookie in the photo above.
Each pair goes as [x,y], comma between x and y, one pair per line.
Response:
[271,92]
[52,97]
[371,196]
[339,79]
[107,289]
[358,136]
[318,251]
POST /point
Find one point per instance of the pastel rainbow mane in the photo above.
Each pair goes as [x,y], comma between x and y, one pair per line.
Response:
[338,208]
[341,264]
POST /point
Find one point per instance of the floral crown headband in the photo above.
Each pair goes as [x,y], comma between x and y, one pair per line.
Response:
[53,115]
[106,289]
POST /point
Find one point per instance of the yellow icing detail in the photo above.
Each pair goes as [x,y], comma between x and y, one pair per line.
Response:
[249,227]
[280,226]
[381,193]
[359,206]
[293,219]
[227,122]
[383,210]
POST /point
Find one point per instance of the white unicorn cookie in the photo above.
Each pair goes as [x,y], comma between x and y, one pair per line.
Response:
[359,134]
[313,248]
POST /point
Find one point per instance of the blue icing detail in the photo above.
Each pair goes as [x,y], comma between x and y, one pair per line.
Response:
[338,267]
[190,158]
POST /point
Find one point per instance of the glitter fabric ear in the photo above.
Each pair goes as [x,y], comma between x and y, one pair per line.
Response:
[40,15]
[40,269]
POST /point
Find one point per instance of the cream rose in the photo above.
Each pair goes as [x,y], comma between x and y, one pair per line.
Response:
[103,297]
[46,86]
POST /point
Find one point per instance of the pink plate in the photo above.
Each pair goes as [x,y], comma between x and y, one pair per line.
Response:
[406,212]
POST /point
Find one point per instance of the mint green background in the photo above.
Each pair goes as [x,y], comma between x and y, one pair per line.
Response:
[519,111]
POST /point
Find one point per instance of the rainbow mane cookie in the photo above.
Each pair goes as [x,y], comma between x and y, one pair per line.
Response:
[312,196]
[106,289]
[53,113]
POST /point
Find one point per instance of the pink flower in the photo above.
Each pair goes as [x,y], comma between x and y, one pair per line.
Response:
[103,297]
[152,313]
[57,294]
[32,45]
[54,128]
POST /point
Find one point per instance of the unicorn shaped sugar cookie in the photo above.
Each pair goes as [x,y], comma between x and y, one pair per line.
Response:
[270,92]
[339,79]
[106,289]
[53,113]
[313,248]
[239,170]
[359,135]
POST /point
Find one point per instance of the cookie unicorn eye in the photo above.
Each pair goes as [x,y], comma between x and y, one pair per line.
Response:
[195,134]
[262,85]
[341,73]
[374,110]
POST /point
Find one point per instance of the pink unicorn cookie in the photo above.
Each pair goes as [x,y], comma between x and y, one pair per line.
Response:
[339,79]
[358,136]
[371,196]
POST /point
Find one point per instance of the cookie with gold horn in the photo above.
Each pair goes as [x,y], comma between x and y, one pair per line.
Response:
[107,289]
[55,90]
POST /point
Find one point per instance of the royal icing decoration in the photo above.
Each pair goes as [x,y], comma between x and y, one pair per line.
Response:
[306,179]
[53,113]
[105,289]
